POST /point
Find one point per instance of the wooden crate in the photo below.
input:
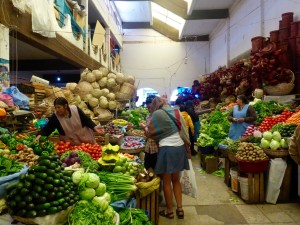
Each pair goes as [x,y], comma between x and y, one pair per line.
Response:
[256,188]
[150,204]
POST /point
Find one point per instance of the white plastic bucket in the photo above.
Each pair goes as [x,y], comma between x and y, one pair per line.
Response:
[234,179]
[244,188]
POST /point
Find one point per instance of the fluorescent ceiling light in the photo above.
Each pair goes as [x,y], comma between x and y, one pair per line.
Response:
[167,16]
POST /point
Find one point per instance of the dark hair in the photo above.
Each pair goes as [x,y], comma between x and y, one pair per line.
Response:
[149,99]
[243,98]
[189,104]
[182,108]
[178,101]
[60,101]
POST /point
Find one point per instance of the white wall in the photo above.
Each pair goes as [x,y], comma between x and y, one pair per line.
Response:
[159,63]
[248,19]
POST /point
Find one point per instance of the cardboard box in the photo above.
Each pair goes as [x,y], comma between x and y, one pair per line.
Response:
[209,163]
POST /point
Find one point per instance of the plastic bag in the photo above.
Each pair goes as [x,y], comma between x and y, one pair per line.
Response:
[275,177]
[4,181]
[22,5]
[19,98]
[7,99]
[188,182]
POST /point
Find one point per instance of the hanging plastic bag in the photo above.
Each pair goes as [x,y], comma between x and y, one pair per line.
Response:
[19,98]
[7,99]
[188,182]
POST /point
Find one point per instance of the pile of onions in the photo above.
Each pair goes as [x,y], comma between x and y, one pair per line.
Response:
[71,159]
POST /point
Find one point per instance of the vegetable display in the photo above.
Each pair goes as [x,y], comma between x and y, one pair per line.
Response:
[250,152]
[214,129]
[264,109]
[294,119]
[94,150]
[85,159]
[273,141]
[136,116]
[112,129]
[134,216]
[250,131]
[133,142]
[286,130]
[119,186]
[9,166]
[46,189]
[269,121]
[26,156]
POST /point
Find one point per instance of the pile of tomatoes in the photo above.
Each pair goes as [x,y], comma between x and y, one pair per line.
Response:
[94,150]
[270,121]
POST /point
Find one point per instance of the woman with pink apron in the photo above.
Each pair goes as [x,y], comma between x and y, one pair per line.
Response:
[72,124]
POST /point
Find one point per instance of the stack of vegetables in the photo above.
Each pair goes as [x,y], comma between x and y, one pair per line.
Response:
[109,156]
[134,216]
[132,142]
[94,206]
[15,144]
[269,121]
[46,189]
[264,109]
[286,130]
[250,152]
[250,131]
[71,158]
[274,141]
[120,186]
[136,116]
[214,129]
[94,150]
[9,166]
[294,119]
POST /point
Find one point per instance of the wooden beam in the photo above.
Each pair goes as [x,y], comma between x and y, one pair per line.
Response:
[195,38]
[165,29]
[59,47]
[208,14]
[43,64]
[136,25]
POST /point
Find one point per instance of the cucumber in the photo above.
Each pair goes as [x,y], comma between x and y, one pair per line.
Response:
[41,158]
[21,212]
[11,186]
[65,205]
[30,206]
[59,195]
[24,191]
[52,210]
[22,177]
[49,180]
[56,182]
[28,199]
[34,195]
[61,201]
[49,187]
[43,206]
[50,172]
[45,193]
[27,184]
[45,162]
[52,165]
[41,169]
[54,203]
[21,205]
[41,175]
[41,199]
[12,204]
[39,181]
[38,189]
[31,214]
[30,177]
[42,212]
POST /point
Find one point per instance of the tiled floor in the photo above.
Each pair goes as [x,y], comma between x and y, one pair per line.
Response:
[216,204]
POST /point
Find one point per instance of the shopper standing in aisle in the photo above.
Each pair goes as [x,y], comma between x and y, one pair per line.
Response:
[72,124]
[188,120]
[151,146]
[168,129]
[195,118]
[241,117]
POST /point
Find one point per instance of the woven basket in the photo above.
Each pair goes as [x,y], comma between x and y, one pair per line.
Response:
[132,151]
[277,153]
[281,89]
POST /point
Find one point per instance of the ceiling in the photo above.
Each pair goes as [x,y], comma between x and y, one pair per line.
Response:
[203,17]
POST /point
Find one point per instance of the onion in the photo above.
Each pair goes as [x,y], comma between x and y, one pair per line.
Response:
[73,155]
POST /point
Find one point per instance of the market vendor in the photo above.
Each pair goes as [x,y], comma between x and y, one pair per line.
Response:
[294,148]
[72,124]
[241,117]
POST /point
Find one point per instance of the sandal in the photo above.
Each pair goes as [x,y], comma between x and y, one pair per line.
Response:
[166,214]
[180,213]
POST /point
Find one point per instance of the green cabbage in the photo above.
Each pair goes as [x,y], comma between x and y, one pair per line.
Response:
[265,143]
[109,212]
[276,136]
[274,145]
[107,197]
[267,135]
[284,143]
[76,176]
[101,203]
[87,194]
[101,189]
[93,181]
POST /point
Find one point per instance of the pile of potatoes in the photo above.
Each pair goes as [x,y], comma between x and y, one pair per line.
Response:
[250,152]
